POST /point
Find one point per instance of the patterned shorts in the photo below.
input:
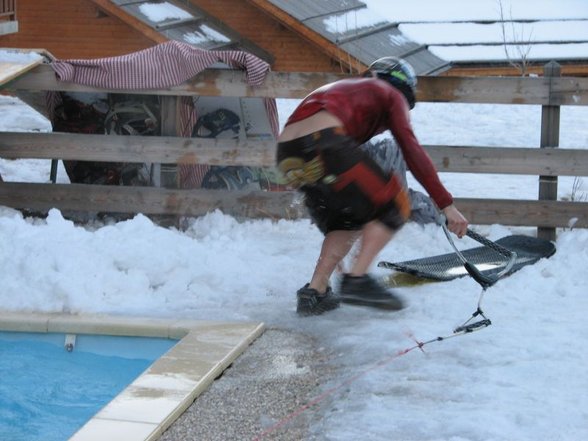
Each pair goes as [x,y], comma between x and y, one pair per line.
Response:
[344,188]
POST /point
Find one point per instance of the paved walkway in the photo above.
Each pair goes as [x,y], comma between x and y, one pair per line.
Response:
[280,372]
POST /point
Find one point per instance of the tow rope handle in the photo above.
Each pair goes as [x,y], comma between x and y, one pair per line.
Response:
[484,280]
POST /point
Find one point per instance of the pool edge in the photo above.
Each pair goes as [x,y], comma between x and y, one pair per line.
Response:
[151,403]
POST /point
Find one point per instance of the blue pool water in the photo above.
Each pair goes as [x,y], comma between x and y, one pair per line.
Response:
[48,393]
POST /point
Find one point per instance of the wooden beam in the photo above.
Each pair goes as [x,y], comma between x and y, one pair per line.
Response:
[211,82]
[524,213]
[10,70]
[550,118]
[471,70]
[148,200]
[114,10]
[321,43]
[505,90]
[510,160]
[484,90]
[259,204]
[261,153]
[156,149]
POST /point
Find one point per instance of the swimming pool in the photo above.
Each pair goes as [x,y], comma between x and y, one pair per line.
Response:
[154,400]
[53,383]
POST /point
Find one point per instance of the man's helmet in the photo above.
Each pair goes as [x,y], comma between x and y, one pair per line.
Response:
[398,73]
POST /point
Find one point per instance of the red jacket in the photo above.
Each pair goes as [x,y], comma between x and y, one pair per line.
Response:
[367,107]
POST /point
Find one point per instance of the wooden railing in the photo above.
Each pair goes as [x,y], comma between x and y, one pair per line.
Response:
[548,162]
[8,9]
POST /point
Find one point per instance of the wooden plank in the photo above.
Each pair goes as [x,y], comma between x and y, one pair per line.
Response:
[259,204]
[10,70]
[160,149]
[261,153]
[506,90]
[524,213]
[148,200]
[211,82]
[166,175]
[510,160]
[550,118]
[569,91]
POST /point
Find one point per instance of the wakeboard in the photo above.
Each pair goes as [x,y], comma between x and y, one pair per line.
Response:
[488,261]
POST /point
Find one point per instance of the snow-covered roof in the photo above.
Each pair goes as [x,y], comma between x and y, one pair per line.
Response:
[361,32]
[430,34]
[492,30]
[188,24]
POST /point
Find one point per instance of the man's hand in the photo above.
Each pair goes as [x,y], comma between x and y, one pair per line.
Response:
[456,222]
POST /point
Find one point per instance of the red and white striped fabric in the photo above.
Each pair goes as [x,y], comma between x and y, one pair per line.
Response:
[165,65]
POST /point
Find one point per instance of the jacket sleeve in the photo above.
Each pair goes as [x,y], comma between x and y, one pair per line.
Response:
[417,159]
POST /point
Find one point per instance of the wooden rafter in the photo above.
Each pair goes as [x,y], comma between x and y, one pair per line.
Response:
[323,44]
[115,11]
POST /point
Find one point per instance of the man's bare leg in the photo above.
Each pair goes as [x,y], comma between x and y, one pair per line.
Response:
[374,237]
[360,288]
[335,247]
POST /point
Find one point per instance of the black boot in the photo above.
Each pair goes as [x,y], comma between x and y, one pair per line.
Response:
[310,302]
[365,290]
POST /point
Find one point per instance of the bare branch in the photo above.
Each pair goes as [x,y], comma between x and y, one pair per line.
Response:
[521,44]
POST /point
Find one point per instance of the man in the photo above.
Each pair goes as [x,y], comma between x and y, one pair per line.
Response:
[348,195]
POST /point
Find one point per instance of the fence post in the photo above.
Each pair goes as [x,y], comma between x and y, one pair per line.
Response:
[549,138]
[168,173]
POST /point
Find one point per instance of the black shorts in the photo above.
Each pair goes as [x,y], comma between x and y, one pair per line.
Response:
[344,188]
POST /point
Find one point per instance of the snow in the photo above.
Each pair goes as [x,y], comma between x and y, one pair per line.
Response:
[535,52]
[206,34]
[427,22]
[158,12]
[351,20]
[431,22]
[457,10]
[18,57]
[447,33]
[523,378]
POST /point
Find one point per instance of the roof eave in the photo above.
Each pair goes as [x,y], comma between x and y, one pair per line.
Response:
[113,10]
[326,46]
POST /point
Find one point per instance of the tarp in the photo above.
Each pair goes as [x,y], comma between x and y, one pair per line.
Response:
[164,65]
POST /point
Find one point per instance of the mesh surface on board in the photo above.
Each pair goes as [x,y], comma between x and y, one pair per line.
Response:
[487,261]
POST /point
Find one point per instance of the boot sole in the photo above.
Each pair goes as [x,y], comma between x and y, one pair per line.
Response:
[305,311]
[389,305]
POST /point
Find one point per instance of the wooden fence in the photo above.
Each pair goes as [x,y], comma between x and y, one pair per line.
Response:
[547,162]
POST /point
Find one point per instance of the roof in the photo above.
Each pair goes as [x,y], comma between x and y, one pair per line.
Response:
[432,36]
[435,35]
[188,24]
[361,33]
[493,31]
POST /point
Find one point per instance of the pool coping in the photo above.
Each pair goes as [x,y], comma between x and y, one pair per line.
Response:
[151,403]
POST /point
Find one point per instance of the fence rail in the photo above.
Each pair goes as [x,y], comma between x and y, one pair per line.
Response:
[258,204]
[569,91]
[255,153]
[547,162]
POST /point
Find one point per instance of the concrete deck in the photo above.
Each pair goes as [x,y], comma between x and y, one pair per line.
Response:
[149,405]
